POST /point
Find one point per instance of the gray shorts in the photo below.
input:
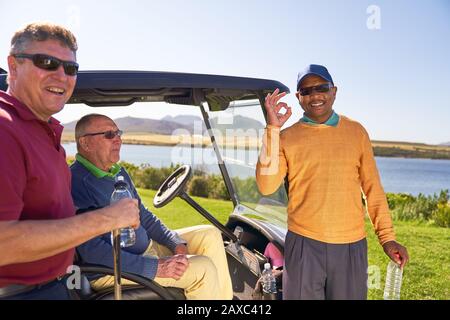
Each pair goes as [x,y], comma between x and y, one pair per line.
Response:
[316,270]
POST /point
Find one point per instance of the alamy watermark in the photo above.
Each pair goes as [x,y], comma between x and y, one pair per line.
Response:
[373,277]
[374,19]
[73,17]
[243,146]
[73,280]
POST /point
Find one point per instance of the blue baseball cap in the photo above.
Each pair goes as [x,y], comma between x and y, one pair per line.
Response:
[317,70]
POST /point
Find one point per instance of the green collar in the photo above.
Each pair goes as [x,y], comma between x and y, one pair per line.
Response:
[332,121]
[99,173]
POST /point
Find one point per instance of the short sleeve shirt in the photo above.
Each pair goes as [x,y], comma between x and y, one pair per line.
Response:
[35,184]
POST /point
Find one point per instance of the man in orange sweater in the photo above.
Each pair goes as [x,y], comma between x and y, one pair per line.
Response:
[328,162]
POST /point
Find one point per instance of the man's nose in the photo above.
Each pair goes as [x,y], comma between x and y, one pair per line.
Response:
[117,139]
[315,93]
[59,73]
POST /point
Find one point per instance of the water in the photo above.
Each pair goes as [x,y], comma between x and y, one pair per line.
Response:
[269,284]
[412,176]
[393,284]
[127,235]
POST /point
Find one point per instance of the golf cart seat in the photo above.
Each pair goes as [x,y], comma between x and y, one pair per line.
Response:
[144,289]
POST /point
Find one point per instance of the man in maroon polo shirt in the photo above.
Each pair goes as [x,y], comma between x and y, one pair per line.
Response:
[38,226]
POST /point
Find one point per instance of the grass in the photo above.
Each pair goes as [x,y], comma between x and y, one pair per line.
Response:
[427,276]
[178,214]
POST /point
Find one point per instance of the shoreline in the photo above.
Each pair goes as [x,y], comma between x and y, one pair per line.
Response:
[376,154]
[380,148]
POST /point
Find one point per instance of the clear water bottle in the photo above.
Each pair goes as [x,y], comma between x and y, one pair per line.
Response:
[121,191]
[393,282]
[269,284]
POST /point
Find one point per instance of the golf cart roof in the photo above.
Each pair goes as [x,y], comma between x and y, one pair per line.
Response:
[121,88]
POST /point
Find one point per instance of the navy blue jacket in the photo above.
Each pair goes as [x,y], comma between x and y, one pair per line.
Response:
[89,191]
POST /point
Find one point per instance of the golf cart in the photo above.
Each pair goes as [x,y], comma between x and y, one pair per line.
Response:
[232,113]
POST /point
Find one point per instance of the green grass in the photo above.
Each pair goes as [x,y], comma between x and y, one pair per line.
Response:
[178,214]
[427,276]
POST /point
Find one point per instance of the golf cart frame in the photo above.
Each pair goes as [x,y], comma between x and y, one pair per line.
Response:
[244,238]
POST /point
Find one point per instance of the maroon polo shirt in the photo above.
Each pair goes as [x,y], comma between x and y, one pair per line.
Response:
[35,184]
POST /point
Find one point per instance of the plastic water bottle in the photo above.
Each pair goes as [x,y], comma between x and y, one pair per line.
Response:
[121,191]
[393,282]
[269,284]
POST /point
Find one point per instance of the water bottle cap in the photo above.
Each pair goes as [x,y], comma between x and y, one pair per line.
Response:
[120,182]
[267,265]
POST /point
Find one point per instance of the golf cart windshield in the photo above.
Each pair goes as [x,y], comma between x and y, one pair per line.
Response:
[238,131]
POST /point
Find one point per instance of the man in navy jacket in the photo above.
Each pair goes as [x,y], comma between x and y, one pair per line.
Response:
[192,258]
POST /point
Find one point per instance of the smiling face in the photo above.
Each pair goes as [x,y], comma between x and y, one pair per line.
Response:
[99,150]
[44,92]
[318,106]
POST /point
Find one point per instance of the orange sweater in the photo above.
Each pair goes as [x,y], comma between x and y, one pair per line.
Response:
[327,168]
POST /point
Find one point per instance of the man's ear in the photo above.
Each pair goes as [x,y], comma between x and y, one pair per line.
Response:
[83,143]
[335,91]
[12,66]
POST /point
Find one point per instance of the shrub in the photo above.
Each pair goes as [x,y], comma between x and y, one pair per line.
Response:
[70,160]
[151,178]
[422,208]
[396,200]
[217,188]
[132,170]
[442,215]
[198,186]
[444,197]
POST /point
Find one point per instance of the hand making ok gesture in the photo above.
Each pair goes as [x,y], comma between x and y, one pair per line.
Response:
[273,107]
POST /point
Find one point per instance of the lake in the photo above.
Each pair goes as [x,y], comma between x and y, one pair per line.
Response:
[412,176]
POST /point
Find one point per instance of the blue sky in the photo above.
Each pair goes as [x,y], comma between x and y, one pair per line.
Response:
[393,75]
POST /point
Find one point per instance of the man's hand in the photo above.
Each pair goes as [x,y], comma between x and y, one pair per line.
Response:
[396,252]
[273,107]
[181,249]
[124,213]
[172,267]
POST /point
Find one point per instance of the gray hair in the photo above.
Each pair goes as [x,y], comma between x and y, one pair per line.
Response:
[42,31]
[83,124]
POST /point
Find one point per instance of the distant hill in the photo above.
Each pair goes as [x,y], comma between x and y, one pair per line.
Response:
[130,124]
[445,144]
[238,122]
[70,126]
[184,119]
[196,123]
[168,124]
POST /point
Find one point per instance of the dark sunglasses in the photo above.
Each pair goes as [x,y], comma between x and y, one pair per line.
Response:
[107,134]
[50,63]
[320,88]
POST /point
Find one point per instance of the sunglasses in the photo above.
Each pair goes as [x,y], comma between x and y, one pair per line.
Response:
[320,88]
[106,134]
[50,63]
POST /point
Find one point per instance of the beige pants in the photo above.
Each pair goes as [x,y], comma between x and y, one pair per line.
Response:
[206,278]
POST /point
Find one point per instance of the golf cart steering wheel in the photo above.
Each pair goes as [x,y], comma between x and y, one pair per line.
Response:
[172,186]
